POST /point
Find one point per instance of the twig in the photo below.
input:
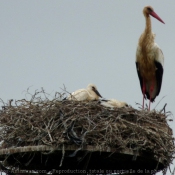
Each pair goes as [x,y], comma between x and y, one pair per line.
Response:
[63,152]
[159,101]
[163,109]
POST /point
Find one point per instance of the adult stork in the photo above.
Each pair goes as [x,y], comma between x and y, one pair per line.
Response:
[149,60]
[88,94]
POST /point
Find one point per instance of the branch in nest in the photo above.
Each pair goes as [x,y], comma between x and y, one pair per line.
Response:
[163,109]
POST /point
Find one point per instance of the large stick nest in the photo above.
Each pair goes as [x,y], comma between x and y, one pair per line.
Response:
[60,122]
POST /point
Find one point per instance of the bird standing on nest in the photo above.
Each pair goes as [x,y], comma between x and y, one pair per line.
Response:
[149,60]
[89,94]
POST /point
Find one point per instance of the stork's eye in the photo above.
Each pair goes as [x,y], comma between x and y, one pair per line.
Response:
[93,88]
[149,9]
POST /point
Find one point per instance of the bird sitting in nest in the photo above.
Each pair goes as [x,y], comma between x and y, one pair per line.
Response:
[113,103]
[89,94]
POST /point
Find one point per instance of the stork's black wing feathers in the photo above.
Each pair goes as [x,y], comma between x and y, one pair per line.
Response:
[159,75]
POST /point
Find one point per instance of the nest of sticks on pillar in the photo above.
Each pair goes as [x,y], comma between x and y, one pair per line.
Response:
[60,136]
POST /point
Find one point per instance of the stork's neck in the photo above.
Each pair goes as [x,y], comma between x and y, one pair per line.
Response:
[148,25]
[92,94]
[147,38]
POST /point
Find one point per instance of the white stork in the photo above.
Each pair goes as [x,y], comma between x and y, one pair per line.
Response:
[89,94]
[113,103]
[149,60]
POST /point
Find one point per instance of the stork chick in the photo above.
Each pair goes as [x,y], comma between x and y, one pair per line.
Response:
[88,94]
[113,103]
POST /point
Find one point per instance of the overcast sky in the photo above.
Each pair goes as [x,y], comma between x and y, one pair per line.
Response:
[77,42]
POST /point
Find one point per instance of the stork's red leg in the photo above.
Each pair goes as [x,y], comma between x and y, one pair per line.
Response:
[143,91]
[151,92]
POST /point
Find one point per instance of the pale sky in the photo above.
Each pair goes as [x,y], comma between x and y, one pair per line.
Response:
[76,42]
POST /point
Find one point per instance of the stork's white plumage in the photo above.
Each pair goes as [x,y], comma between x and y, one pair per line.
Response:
[149,60]
[89,94]
[113,103]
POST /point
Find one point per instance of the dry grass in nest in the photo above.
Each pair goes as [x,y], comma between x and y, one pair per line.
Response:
[56,122]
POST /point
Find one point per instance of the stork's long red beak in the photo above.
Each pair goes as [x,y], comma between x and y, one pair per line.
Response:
[156,16]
